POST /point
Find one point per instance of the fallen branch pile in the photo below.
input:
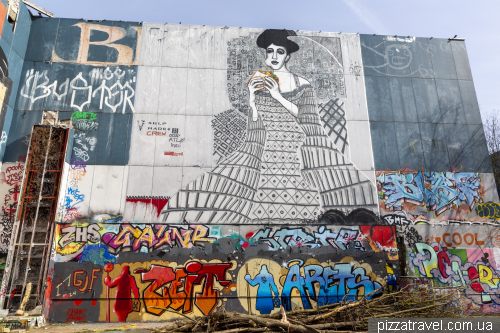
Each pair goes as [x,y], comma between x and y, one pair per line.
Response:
[340,317]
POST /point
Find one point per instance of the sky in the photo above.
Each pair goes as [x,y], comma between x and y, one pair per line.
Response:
[476,21]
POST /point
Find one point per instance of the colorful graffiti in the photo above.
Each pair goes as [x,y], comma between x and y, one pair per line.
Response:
[380,238]
[465,257]
[133,288]
[71,239]
[284,237]
[115,238]
[125,284]
[437,191]
[474,269]
[12,178]
[489,210]
[79,282]
[193,288]
[299,284]
[155,237]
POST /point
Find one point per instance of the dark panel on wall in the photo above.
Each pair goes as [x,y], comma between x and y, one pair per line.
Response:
[67,44]
[409,144]
[23,27]
[385,146]
[113,139]
[434,146]
[430,83]
[15,68]
[481,160]
[6,120]
[427,101]
[30,91]
[374,60]
[42,39]
[403,102]
[378,96]
[469,100]
[461,60]
[17,143]
[442,59]
[450,102]
[421,63]
[459,146]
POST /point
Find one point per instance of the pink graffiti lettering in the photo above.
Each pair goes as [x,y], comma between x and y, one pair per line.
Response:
[153,237]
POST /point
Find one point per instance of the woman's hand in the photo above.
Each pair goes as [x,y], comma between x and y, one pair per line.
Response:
[255,84]
[273,87]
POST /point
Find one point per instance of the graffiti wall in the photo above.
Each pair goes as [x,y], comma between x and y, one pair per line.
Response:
[458,256]
[102,242]
[124,271]
[211,167]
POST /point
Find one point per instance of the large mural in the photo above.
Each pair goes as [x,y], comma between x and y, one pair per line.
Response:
[288,162]
[248,169]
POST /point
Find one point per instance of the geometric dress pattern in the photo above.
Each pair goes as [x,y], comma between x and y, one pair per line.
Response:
[333,118]
[341,185]
[286,171]
[229,129]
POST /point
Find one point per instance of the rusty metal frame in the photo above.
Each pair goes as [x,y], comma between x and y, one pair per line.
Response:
[17,239]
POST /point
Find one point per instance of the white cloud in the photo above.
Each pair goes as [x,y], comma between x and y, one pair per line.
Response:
[365,16]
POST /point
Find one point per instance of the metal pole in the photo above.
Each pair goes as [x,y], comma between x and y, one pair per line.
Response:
[38,206]
[249,301]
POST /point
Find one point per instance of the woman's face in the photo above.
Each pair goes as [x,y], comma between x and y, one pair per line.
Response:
[276,56]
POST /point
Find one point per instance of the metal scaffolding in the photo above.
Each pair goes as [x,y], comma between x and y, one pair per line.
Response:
[29,253]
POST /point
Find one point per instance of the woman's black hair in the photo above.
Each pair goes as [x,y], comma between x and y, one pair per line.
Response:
[278,38]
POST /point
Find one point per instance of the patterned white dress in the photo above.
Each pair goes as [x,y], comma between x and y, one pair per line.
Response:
[285,172]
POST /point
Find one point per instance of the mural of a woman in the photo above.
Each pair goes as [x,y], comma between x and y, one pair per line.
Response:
[287,169]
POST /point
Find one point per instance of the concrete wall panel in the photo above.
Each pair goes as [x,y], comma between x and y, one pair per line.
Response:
[148,90]
[173,90]
[142,146]
[107,179]
[175,46]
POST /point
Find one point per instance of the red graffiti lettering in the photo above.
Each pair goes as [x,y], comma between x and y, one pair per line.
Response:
[76,315]
[442,259]
[180,294]
[156,133]
[156,296]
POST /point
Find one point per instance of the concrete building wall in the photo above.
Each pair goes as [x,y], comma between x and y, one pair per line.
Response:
[13,44]
[176,196]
